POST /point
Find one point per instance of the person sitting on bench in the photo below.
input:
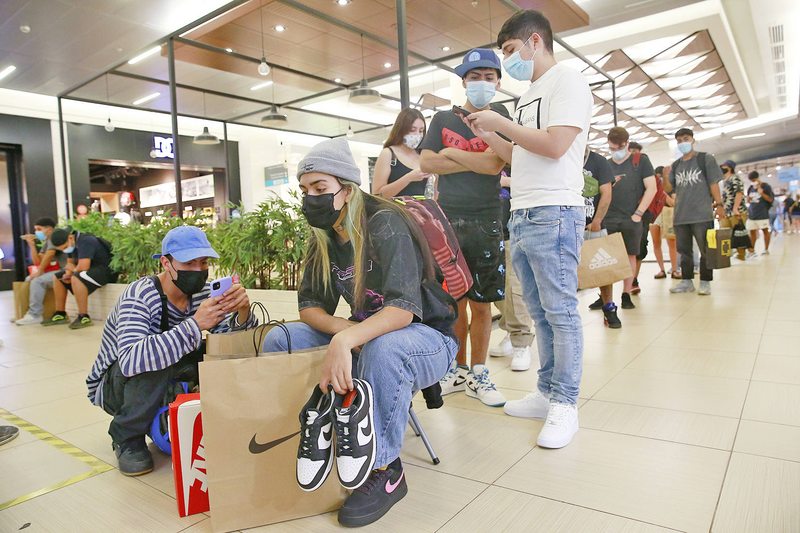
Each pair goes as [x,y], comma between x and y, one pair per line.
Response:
[41,279]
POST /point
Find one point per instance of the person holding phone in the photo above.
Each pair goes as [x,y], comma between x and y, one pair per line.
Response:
[397,171]
[153,337]
[43,277]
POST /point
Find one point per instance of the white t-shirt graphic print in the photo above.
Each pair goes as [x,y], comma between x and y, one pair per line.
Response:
[561,97]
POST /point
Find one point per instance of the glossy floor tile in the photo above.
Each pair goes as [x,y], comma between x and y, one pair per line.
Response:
[690,421]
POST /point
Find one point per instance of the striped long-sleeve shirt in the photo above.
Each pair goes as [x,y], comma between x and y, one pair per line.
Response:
[132,334]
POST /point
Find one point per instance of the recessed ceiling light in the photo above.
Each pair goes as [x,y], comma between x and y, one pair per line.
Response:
[387,65]
[261,85]
[342,2]
[25,28]
[337,80]
[280,28]
[145,99]
[144,55]
[445,48]
[229,50]
[748,136]
[6,71]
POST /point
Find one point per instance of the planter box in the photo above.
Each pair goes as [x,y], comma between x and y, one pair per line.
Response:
[282,305]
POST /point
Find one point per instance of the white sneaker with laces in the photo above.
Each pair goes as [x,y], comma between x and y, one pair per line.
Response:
[522,359]
[533,405]
[751,255]
[705,288]
[684,285]
[29,319]
[480,386]
[560,426]
[454,381]
[504,349]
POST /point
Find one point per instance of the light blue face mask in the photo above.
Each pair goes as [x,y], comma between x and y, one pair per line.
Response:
[619,155]
[480,93]
[684,148]
[69,249]
[40,235]
[518,68]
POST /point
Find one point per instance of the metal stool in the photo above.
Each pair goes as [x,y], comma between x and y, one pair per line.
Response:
[413,421]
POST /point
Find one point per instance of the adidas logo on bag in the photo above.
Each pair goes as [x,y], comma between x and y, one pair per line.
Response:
[602,259]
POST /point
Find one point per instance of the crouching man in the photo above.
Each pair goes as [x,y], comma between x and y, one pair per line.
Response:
[152,339]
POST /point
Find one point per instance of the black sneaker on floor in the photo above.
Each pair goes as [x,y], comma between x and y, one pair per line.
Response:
[597,304]
[610,317]
[375,497]
[635,289]
[134,458]
[355,435]
[315,453]
[627,303]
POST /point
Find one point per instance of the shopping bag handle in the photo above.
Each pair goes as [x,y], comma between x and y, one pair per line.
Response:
[258,306]
[259,335]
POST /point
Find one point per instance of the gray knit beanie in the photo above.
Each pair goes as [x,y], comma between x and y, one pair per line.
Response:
[333,157]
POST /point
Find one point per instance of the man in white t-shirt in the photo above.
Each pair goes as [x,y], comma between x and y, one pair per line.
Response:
[548,134]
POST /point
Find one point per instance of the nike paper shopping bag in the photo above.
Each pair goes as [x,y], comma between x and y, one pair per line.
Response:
[251,429]
[603,262]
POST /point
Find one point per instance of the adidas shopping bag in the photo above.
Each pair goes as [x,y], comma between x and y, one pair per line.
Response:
[603,261]
[251,432]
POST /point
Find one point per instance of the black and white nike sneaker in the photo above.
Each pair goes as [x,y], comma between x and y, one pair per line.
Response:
[355,435]
[315,453]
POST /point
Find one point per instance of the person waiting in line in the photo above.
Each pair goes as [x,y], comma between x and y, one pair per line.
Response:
[397,170]
[733,200]
[794,211]
[368,251]
[41,278]
[634,147]
[656,233]
[469,194]
[695,178]
[548,141]
[761,197]
[647,221]
[514,317]
[634,188]
[88,268]
[153,337]
[668,227]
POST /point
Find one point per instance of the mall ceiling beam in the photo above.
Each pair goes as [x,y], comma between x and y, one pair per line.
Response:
[173,113]
[402,52]
[160,42]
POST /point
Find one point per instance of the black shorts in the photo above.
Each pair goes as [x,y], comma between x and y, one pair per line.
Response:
[631,233]
[481,241]
[647,219]
[94,278]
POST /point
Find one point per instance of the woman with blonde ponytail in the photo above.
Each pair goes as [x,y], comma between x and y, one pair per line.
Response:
[397,340]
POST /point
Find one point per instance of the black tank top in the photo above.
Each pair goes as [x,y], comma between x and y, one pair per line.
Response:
[397,170]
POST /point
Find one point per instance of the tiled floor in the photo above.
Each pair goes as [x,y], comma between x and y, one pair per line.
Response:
[690,420]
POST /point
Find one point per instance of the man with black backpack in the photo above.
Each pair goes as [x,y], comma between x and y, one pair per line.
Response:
[153,339]
[88,268]
[695,179]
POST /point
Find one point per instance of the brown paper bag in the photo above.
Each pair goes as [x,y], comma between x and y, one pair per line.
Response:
[603,262]
[22,290]
[248,403]
[718,248]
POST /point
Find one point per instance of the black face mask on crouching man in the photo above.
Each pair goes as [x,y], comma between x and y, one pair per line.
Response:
[190,282]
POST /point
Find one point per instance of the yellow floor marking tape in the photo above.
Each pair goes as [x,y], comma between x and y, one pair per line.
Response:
[97,466]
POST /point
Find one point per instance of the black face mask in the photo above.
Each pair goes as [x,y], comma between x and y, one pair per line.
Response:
[319,210]
[190,282]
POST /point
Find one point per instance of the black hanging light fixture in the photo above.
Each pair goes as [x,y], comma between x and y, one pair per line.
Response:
[363,94]
[109,127]
[206,137]
[274,117]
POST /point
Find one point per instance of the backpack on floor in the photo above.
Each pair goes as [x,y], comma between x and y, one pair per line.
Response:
[442,242]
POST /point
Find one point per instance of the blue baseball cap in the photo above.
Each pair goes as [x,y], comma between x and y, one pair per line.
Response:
[185,243]
[479,58]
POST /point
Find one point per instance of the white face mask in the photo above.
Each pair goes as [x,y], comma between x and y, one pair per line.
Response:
[412,140]
[619,155]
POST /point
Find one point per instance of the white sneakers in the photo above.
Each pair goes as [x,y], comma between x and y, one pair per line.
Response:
[29,319]
[704,289]
[560,426]
[454,381]
[480,386]
[521,356]
[534,405]
[504,349]
[684,285]
[521,360]
[561,419]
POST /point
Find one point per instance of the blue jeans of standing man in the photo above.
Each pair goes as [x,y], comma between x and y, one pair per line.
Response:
[396,364]
[545,250]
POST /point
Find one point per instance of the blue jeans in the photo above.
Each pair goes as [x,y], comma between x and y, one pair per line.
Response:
[545,251]
[396,364]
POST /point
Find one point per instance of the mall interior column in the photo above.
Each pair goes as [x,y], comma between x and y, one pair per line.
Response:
[173,111]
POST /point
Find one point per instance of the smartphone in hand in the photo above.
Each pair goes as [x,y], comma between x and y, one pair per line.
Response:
[221,285]
[460,111]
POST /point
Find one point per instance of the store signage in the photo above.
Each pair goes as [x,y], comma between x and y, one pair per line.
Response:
[789,174]
[276,175]
[162,147]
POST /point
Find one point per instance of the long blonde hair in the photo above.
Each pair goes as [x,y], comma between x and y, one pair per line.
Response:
[357,210]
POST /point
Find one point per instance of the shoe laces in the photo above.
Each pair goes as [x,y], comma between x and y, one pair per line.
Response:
[306,442]
[483,382]
[343,436]
[376,479]
[558,414]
